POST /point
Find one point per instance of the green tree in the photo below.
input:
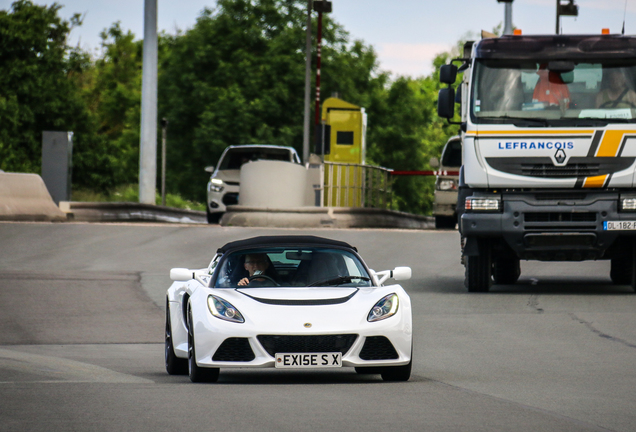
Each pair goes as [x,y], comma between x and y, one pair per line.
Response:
[237,77]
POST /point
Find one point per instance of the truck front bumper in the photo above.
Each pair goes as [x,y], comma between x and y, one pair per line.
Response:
[540,226]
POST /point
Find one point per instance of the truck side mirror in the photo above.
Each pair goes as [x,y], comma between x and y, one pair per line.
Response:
[446,103]
[433,162]
[448,74]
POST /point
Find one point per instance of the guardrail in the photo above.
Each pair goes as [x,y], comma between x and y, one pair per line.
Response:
[356,185]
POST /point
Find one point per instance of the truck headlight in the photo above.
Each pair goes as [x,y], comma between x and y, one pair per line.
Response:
[628,204]
[446,184]
[485,204]
[215,185]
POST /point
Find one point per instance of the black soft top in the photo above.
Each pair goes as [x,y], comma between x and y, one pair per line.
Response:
[264,241]
[557,47]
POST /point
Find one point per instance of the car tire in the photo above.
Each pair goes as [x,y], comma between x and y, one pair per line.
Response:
[213,218]
[174,364]
[445,222]
[478,269]
[397,373]
[198,374]
[506,270]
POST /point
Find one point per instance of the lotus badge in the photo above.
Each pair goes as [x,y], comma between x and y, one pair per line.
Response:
[307,325]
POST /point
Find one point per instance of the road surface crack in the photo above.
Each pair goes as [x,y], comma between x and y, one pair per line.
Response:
[596,331]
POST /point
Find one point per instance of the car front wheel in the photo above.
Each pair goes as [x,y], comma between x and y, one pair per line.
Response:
[174,364]
[397,373]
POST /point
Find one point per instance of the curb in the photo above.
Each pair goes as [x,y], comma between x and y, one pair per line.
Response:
[129,212]
[324,217]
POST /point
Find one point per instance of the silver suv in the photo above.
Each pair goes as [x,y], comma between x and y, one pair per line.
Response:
[444,206]
[223,187]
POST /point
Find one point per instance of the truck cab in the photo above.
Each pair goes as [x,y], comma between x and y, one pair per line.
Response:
[549,153]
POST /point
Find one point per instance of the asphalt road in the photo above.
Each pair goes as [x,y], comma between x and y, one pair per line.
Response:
[81,342]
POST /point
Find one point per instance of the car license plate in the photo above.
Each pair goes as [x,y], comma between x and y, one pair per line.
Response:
[619,225]
[308,360]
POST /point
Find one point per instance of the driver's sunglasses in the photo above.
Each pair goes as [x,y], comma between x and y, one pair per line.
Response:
[256,262]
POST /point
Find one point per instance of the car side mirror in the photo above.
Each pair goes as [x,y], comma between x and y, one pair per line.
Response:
[446,103]
[209,169]
[181,274]
[398,273]
[448,74]
[401,273]
[434,162]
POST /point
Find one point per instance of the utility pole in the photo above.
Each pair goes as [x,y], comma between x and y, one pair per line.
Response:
[507,16]
[320,6]
[148,140]
[307,119]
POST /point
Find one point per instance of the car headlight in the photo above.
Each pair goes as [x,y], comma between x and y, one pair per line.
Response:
[224,310]
[215,185]
[385,308]
[446,184]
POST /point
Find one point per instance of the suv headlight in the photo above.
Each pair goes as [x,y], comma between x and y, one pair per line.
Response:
[385,308]
[224,310]
[215,185]
[485,204]
[446,184]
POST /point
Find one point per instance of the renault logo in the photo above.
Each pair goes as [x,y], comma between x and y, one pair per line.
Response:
[307,325]
[559,156]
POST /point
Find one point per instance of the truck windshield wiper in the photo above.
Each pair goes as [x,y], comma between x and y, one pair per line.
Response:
[339,280]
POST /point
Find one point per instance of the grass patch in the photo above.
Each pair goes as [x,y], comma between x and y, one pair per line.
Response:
[130,193]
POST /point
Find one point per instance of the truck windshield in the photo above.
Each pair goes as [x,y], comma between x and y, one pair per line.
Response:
[542,93]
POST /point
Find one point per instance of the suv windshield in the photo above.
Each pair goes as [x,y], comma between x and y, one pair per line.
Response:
[543,93]
[291,267]
[236,157]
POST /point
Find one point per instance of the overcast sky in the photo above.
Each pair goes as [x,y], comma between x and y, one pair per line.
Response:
[405,33]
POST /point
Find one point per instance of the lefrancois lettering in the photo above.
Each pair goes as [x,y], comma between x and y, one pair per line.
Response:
[538,145]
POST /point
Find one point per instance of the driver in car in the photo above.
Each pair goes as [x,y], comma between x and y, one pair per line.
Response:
[255,265]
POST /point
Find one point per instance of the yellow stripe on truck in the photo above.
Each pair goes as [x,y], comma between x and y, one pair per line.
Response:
[611,143]
[595,182]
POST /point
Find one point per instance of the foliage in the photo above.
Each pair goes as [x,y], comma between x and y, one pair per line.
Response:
[236,77]
[130,193]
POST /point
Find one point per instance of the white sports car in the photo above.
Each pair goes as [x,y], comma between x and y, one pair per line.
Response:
[288,302]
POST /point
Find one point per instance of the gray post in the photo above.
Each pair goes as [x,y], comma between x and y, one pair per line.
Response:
[148,141]
[57,153]
[307,86]
[164,129]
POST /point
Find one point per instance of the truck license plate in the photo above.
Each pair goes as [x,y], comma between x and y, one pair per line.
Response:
[619,225]
[308,360]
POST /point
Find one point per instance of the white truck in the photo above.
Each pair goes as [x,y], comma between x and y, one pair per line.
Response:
[548,128]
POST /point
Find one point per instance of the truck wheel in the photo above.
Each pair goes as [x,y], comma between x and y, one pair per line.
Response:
[445,222]
[506,270]
[478,275]
[621,270]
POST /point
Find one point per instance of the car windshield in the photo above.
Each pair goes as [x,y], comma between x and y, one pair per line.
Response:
[236,157]
[554,93]
[291,267]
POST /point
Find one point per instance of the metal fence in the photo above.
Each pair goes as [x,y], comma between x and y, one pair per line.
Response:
[355,185]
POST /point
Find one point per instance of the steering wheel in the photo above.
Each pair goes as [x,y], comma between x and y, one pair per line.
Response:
[263,276]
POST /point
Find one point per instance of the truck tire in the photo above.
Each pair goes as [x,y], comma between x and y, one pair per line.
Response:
[478,270]
[445,222]
[621,270]
[506,270]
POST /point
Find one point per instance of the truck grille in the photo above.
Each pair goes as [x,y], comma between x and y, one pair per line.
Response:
[302,344]
[559,217]
[576,166]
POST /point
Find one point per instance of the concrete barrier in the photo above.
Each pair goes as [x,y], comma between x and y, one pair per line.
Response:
[24,197]
[324,217]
